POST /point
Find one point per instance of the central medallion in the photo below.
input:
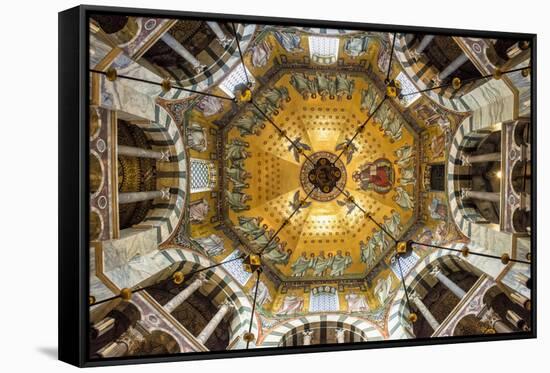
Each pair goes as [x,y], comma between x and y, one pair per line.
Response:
[325,172]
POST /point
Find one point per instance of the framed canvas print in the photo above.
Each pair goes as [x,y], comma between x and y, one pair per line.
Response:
[237,186]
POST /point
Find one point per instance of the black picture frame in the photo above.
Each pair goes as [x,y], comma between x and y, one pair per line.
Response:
[74,189]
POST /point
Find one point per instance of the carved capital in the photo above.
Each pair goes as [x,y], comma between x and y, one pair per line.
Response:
[436,80]
[165,156]
[133,339]
[308,333]
[199,68]
[465,193]
[165,193]
[225,42]
[490,317]
[413,295]
[465,159]
[435,271]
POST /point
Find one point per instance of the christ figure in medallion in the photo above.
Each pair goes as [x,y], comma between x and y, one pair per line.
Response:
[378,176]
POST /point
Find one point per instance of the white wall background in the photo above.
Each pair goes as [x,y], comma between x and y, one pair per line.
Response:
[28,186]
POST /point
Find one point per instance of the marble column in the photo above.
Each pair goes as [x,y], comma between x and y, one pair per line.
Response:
[424,310]
[522,278]
[127,344]
[426,40]
[340,335]
[102,327]
[131,197]
[183,52]
[491,318]
[308,334]
[185,293]
[214,322]
[132,151]
[449,284]
[468,159]
[451,68]
[482,196]
[516,320]
[220,35]
[519,299]
[514,51]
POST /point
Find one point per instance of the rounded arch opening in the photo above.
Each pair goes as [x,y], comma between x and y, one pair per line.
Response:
[321,329]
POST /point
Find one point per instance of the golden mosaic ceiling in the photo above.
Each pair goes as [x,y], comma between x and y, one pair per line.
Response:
[380,170]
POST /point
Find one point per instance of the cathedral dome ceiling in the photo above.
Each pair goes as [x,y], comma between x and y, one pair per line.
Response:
[264,173]
[317,102]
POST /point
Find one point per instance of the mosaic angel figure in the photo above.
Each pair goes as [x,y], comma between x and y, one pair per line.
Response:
[393,223]
[278,255]
[380,239]
[290,41]
[404,155]
[212,245]
[298,144]
[403,199]
[369,99]
[301,265]
[356,46]
[296,203]
[261,53]
[250,226]
[352,148]
[262,295]
[196,137]
[347,203]
[237,176]
[321,264]
[265,242]
[198,211]
[407,176]
[210,106]
[340,263]
[344,87]
[276,96]
[302,85]
[292,304]
[248,124]
[356,302]
[393,129]
[383,289]
[368,255]
[324,86]
[236,150]
[237,200]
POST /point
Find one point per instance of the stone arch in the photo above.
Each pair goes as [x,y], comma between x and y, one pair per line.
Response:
[112,324]
[469,325]
[362,328]
[162,133]
[159,265]
[465,139]
[165,216]
[487,99]
[501,302]
[120,30]
[399,326]
[160,342]
[225,61]
[486,237]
